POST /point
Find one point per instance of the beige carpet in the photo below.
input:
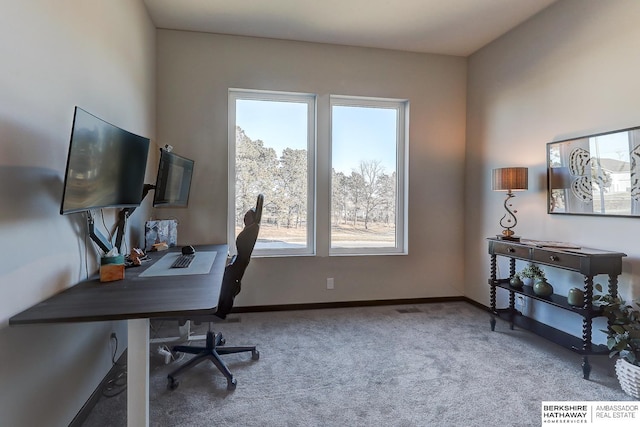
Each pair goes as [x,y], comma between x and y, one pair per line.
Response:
[419,365]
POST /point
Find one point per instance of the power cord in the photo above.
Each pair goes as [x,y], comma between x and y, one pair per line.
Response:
[169,356]
[104,224]
[155,327]
[116,383]
[164,350]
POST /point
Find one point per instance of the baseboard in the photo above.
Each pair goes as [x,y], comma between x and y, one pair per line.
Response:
[477,304]
[86,409]
[347,304]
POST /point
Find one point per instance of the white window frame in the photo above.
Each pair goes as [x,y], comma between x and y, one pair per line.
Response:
[262,95]
[402,166]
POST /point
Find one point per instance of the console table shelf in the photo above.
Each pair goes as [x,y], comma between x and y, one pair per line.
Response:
[586,261]
[550,333]
[555,299]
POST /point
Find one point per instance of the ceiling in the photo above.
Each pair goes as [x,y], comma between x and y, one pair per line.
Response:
[450,27]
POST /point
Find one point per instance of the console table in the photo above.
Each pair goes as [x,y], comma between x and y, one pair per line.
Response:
[586,261]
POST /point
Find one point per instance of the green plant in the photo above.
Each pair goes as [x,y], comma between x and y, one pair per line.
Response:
[623,329]
[532,271]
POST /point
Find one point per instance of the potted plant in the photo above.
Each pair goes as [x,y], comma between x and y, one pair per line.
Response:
[531,272]
[623,338]
[535,274]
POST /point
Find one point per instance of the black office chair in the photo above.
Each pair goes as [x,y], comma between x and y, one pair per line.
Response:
[231,284]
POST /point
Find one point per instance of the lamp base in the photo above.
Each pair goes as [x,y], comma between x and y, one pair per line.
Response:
[510,238]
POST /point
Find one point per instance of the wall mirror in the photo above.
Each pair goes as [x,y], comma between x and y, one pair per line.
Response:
[595,174]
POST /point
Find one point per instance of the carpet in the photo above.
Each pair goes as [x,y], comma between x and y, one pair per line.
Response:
[408,365]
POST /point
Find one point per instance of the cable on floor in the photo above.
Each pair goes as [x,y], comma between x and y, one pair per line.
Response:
[116,382]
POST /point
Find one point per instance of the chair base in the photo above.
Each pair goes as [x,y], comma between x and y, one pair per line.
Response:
[211,351]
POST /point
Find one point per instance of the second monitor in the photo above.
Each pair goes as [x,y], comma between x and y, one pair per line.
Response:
[174,180]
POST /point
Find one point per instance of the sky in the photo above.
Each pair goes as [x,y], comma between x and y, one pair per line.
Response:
[358,133]
[611,146]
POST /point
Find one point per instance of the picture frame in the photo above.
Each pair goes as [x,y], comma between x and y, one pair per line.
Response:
[595,174]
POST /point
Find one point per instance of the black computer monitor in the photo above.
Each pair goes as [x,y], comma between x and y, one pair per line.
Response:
[105,166]
[173,183]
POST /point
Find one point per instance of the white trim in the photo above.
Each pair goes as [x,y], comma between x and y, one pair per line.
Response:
[263,95]
[402,171]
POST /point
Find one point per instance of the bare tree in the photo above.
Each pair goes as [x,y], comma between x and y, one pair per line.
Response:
[368,194]
[355,186]
[371,172]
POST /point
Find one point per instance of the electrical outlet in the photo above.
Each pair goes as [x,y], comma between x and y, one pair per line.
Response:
[330,284]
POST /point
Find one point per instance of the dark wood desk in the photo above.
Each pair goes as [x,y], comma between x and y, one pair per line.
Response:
[136,299]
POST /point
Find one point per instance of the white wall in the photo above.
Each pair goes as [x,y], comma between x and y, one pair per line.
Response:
[195,71]
[99,55]
[570,71]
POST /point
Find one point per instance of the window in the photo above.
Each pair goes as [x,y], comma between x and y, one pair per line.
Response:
[272,146]
[271,151]
[368,175]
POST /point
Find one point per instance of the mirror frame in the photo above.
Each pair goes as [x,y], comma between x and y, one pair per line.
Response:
[595,174]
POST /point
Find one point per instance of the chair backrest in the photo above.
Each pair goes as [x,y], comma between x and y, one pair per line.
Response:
[245,242]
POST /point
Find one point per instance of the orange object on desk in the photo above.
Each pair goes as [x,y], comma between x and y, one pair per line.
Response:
[111,268]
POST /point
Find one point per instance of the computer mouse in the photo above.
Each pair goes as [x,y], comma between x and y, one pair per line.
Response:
[188,250]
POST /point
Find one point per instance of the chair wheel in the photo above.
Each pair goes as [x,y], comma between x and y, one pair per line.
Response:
[231,384]
[172,384]
[255,355]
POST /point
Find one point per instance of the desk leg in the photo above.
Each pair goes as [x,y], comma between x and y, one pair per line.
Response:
[138,373]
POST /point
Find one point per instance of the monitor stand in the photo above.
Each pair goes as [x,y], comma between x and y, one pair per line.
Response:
[96,236]
[123,215]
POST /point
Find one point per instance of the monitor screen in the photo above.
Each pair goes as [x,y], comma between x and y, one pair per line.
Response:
[105,166]
[174,180]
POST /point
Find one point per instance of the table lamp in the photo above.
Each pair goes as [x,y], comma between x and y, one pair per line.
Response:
[509,180]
